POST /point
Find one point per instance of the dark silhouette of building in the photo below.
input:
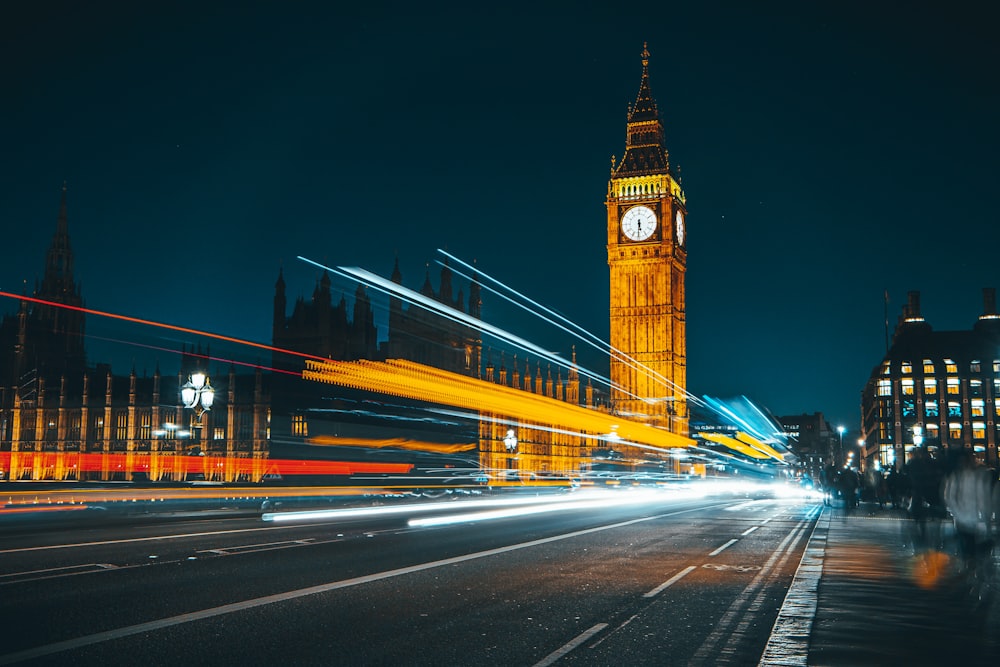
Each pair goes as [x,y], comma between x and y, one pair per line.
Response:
[813,442]
[935,389]
[415,332]
[342,332]
[42,340]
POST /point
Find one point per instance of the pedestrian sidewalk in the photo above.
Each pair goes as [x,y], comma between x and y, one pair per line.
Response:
[863,597]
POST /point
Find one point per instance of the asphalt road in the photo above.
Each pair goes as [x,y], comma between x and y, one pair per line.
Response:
[661,580]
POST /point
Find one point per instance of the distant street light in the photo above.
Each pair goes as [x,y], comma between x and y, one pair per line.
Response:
[840,430]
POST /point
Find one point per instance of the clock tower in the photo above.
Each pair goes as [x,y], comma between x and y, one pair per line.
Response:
[647,256]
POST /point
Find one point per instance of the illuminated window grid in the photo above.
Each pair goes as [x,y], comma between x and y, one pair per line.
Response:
[906,368]
[930,385]
[907,384]
[953,386]
[928,367]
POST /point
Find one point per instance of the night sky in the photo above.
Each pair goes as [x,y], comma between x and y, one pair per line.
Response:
[829,153]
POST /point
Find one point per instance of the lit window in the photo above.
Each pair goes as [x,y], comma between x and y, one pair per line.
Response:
[220,433]
[885,368]
[885,387]
[978,407]
[953,386]
[955,431]
[928,367]
[931,408]
[996,365]
[975,387]
[954,409]
[907,384]
[930,386]
[299,425]
[950,366]
[121,430]
[974,366]
[145,426]
[906,368]
[978,430]
[932,431]
[908,407]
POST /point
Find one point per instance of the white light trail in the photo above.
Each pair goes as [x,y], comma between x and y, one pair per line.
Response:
[583,334]
[601,502]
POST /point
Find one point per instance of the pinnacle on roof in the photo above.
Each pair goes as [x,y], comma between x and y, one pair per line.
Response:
[645,146]
[645,106]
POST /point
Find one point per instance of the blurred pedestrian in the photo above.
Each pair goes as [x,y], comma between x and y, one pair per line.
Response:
[968,495]
[850,484]
[924,475]
[893,485]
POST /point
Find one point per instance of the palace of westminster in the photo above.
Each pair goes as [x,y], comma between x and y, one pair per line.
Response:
[64,418]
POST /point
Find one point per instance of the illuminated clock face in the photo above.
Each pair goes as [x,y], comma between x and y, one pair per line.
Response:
[639,223]
[680,227]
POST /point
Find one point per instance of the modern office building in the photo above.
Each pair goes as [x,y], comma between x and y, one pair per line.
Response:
[935,389]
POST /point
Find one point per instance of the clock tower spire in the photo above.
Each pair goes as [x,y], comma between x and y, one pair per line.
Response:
[647,258]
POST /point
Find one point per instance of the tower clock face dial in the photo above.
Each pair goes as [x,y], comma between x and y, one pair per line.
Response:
[679,219]
[639,223]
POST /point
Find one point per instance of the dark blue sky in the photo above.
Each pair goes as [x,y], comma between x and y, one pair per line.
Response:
[829,153]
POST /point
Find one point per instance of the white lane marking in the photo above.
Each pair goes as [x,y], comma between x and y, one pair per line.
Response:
[145,539]
[558,653]
[748,531]
[723,547]
[128,631]
[739,606]
[669,582]
[83,566]
[266,546]
[789,640]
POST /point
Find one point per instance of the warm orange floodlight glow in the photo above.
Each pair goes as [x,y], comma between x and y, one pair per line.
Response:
[71,464]
[394,443]
[407,379]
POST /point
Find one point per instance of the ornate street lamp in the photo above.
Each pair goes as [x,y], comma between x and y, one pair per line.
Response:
[197,394]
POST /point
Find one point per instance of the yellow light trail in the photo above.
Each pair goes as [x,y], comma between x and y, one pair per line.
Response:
[415,381]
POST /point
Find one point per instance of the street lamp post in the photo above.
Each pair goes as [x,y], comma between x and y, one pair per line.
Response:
[197,394]
[840,430]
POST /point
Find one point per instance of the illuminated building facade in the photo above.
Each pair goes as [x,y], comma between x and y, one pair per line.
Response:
[105,428]
[935,389]
[647,256]
[61,419]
